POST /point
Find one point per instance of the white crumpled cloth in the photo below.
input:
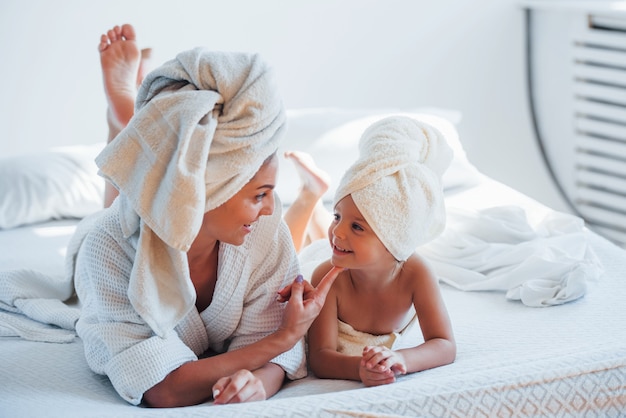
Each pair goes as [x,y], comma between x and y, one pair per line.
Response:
[543,264]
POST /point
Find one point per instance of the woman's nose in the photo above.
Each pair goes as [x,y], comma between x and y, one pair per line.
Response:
[268,205]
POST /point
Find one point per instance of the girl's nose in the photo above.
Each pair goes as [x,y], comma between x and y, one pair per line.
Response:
[337,229]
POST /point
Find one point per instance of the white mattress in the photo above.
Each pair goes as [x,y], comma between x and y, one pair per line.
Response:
[513,360]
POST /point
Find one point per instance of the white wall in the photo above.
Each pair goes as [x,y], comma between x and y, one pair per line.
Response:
[459,54]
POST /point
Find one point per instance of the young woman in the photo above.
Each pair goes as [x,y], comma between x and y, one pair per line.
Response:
[178,277]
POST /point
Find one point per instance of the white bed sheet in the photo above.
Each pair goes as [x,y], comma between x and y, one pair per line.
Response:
[513,360]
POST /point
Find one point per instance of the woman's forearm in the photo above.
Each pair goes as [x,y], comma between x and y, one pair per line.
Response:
[192,382]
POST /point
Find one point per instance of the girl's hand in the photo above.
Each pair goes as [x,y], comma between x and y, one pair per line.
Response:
[242,386]
[380,365]
[305,302]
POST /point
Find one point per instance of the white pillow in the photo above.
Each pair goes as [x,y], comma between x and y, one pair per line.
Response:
[331,136]
[55,184]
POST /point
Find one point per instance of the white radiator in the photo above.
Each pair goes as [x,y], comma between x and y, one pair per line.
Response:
[578,90]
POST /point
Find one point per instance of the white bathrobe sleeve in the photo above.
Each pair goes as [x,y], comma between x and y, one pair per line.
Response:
[117,341]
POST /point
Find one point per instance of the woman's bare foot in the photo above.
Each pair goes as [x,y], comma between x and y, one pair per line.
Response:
[120,58]
[124,67]
[314,181]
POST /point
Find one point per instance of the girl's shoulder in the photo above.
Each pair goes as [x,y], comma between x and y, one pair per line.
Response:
[416,262]
[416,270]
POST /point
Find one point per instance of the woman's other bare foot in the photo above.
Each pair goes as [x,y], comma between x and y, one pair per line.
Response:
[314,182]
[120,58]
[307,218]
[124,67]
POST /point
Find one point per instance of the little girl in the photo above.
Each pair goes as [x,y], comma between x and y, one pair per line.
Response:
[388,203]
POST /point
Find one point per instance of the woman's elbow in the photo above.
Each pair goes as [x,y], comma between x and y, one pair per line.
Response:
[160,397]
[154,398]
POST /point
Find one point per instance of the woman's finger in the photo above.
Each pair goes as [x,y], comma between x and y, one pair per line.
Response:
[327,281]
[284,294]
[233,388]
[218,388]
[297,290]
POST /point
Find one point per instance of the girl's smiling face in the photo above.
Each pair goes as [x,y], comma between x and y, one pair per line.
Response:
[353,241]
[233,220]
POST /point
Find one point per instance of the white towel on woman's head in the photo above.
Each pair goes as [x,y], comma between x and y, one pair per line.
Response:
[396,182]
[204,124]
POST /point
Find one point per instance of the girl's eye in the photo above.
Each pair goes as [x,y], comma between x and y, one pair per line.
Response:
[357,227]
[336,217]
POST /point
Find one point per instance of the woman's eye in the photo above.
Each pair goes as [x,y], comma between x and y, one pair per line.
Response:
[260,197]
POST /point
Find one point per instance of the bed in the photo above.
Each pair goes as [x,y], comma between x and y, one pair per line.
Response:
[564,358]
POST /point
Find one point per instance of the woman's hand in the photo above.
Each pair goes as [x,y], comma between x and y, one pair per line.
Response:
[305,302]
[380,365]
[242,386]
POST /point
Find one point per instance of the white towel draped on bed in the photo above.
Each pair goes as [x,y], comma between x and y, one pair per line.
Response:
[32,303]
[498,249]
[31,307]
[37,306]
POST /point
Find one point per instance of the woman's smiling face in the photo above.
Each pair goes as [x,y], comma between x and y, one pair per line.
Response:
[233,220]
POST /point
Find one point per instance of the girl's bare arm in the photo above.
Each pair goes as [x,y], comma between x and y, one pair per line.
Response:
[324,359]
[439,347]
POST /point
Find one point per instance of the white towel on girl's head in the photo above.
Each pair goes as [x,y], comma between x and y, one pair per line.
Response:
[396,182]
[204,124]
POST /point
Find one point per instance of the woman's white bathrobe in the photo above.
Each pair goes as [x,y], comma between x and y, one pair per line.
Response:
[118,342]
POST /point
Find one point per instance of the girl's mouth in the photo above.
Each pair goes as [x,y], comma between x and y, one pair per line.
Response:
[340,250]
